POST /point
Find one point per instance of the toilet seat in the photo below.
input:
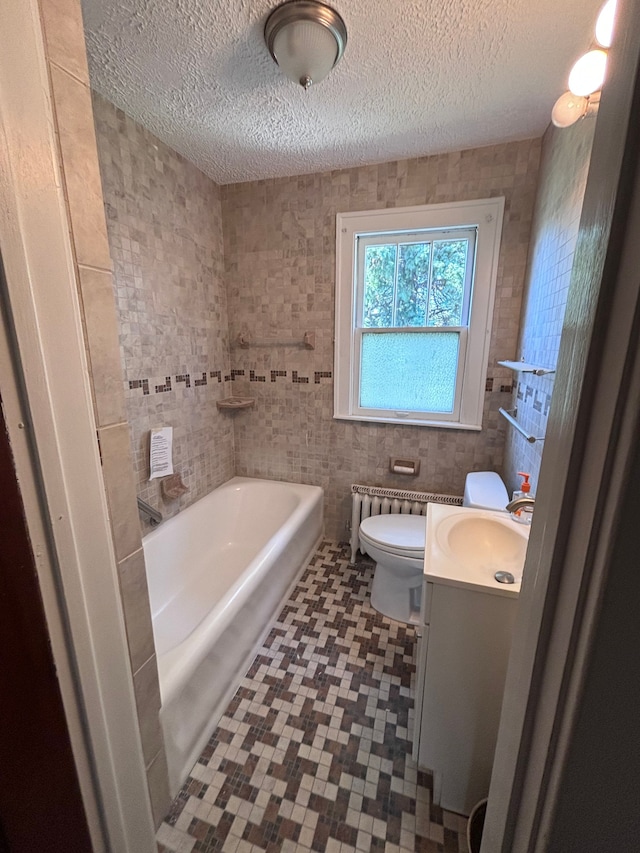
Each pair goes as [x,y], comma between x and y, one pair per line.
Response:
[402,535]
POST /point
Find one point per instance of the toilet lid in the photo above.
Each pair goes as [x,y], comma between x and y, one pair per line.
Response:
[400,531]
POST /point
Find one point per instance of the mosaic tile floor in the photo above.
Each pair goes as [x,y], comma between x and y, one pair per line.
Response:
[314,750]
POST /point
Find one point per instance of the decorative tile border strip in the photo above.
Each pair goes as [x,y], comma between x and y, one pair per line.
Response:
[295,378]
[140,383]
[489,386]
[541,399]
[170,383]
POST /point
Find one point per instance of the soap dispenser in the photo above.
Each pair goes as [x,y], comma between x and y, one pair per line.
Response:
[523,515]
[525,488]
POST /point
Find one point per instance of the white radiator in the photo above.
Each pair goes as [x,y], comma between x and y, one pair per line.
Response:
[374,500]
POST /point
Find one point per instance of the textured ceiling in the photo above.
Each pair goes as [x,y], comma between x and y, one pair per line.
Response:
[417,78]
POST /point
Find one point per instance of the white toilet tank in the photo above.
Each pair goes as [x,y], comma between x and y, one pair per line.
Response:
[485,490]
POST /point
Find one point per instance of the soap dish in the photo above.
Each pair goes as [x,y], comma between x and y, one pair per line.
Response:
[232,404]
[172,487]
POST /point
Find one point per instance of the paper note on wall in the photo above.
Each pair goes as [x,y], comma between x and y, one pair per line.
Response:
[160,452]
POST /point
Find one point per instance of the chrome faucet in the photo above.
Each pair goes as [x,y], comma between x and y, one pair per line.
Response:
[520,503]
[152,514]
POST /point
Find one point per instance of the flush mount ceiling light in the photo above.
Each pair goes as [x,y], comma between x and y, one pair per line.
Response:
[587,75]
[569,108]
[306,40]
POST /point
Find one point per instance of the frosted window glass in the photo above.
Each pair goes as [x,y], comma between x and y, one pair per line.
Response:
[409,371]
[379,286]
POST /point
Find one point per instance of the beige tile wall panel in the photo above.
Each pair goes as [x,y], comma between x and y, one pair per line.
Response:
[135,601]
[64,35]
[165,233]
[563,173]
[62,21]
[81,175]
[101,330]
[120,487]
[147,693]
[280,267]
[157,774]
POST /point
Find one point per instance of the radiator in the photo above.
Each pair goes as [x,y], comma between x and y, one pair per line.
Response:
[374,500]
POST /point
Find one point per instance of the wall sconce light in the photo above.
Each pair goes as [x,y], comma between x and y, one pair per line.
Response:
[587,75]
[306,39]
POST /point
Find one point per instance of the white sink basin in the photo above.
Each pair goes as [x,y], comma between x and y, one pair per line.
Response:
[468,546]
[487,543]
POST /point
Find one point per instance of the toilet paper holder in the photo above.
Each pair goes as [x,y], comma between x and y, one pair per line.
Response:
[409,467]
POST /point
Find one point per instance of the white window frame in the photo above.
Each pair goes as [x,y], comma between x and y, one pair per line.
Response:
[484,215]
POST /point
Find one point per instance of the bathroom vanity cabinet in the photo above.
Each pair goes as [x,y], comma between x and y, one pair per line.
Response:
[463,650]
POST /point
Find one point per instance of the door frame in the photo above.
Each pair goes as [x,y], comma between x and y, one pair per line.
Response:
[591,439]
[52,431]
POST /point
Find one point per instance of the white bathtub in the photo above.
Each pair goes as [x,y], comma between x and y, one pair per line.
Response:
[218,574]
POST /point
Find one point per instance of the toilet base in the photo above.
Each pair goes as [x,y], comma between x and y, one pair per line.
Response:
[397,597]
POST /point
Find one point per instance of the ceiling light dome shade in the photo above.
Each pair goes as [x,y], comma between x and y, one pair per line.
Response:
[306,39]
[568,109]
[604,24]
[587,75]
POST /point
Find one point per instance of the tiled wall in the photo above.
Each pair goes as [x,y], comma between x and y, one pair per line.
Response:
[279,249]
[165,235]
[71,98]
[563,174]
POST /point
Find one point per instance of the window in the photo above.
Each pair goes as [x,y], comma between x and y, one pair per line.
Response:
[414,299]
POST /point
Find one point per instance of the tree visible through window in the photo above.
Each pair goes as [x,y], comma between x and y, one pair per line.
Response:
[414,284]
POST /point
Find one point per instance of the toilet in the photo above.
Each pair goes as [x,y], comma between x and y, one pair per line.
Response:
[396,543]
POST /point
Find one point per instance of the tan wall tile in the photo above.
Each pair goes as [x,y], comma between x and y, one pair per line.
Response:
[64,36]
[157,777]
[145,683]
[72,103]
[165,233]
[563,174]
[280,272]
[119,484]
[98,303]
[137,613]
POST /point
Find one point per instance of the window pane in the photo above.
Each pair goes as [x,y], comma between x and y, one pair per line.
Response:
[379,278]
[413,284]
[409,371]
[446,297]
